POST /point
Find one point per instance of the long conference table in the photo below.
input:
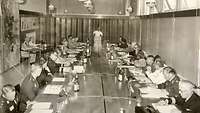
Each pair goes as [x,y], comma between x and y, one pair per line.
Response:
[100,92]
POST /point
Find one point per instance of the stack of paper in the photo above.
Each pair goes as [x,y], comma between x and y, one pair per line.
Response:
[56,79]
[41,105]
[79,69]
[149,92]
[136,72]
[52,89]
[166,108]
[126,66]
[41,111]
[143,79]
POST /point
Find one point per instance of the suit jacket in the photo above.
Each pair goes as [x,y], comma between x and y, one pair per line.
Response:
[192,105]
[44,78]
[138,55]
[16,106]
[53,67]
[171,86]
[30,87]
[122,45]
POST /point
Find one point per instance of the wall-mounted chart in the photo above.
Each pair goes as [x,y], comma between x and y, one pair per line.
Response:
[29,23]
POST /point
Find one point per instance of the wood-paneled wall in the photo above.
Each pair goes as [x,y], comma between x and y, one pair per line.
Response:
[176,39]
[112,28]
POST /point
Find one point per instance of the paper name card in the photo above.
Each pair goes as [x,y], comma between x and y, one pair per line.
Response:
[41,105]
[72,56]
[166,108]
[41,111]
[126,66]
[52,89]
[79,69]
[67,69]
[72,51]
[57,79]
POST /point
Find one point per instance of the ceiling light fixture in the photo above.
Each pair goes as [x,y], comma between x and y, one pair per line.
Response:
[51,7]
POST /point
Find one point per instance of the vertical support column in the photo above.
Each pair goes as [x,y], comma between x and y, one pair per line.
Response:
[140,40]
[157,36]
[173,39]
[1,45]
[47,22]
[198,36]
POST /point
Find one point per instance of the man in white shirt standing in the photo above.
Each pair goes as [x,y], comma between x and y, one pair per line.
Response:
[97,41]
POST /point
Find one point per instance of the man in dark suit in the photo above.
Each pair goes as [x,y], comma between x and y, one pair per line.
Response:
[11,100]
[52,65]
[188,101]
[30,85]
[172,81]
[44,78]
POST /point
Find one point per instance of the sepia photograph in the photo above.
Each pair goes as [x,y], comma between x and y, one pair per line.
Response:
[99,56]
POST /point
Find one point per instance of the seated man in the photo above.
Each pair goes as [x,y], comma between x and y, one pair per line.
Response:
[157,58]
[149,64]
[30,85]
[157,76]
[52,65]
[150,60]
[137,52]
[172,81]
[72,42]
[12,101]
[134,52]
[122,42]
[64,42]
[188,101]
[45,75]
[112,53]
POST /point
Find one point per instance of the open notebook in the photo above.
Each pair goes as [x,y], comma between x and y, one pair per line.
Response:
[52,89]
[41,105]
[165,108]
[149,92]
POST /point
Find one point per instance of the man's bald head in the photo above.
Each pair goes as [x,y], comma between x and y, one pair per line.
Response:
[186,88]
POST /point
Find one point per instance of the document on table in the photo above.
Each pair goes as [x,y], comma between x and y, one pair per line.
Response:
[126,66]
[52,89]
[166,108]
[143,79]
[136,72]
[149,92]
[41,111]
[78,69]
[72,55]
[57,79]
[41,105]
